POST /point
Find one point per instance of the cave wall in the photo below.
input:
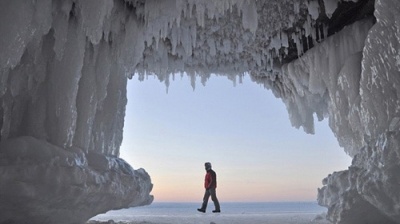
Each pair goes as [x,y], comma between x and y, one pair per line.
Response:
[353,79]
[369,188]
[64,68]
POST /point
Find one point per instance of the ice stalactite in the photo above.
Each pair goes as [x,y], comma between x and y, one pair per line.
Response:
[53,64]
[352,79]
[323,76]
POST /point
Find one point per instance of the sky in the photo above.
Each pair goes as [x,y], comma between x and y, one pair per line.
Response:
[242,129]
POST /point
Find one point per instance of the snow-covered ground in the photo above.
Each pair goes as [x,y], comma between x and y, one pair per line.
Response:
[232,213]
[225,219]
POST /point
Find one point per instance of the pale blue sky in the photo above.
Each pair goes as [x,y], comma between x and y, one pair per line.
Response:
[243,130]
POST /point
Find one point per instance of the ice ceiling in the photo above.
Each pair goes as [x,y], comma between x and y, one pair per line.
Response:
[64,67]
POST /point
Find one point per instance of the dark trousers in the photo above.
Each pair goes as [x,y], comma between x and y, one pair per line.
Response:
[210,192]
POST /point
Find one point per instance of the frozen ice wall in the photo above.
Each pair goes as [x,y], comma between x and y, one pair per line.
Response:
[64,67]
[370,185]
[63,78]
[325,81]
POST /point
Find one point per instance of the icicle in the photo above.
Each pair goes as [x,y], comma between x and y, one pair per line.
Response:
[93,13]
[325,29]
[250,16]
[307,26]
[296,7]
[226,46]
[174,39]
[314,31]
[211,45]
[299,45]
[330,7]
[200,14]
[284,39]
[313,9]
[193,36]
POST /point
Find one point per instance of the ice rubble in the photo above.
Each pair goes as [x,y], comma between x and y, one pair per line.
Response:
[64,67]
[70,186]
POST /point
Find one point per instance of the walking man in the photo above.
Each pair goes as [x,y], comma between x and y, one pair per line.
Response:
[210,184]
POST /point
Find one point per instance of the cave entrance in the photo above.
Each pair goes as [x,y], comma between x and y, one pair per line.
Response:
[243,130]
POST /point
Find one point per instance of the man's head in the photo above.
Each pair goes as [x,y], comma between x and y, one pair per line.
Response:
[207,165]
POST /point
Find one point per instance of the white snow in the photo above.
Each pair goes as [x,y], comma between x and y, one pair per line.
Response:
[233,213]
[220,219]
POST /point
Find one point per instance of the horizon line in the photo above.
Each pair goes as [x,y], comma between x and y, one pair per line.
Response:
[284,201]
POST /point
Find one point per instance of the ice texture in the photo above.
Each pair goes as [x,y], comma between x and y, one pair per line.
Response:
[324,81]
[71,186]
[64,68]
[65,64]
[370,185]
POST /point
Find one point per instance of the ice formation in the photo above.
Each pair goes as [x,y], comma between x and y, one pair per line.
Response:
[65,64]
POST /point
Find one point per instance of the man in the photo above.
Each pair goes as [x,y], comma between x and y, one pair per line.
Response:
[210,183]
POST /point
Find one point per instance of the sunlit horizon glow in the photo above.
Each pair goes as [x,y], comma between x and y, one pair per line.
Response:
[243,130]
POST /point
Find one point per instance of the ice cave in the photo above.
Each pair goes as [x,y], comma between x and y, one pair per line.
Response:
[65,65]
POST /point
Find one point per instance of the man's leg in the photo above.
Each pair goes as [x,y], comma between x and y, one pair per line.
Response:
[215,200]
[205,201]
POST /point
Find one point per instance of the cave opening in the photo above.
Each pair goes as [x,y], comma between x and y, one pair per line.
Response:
[242,129]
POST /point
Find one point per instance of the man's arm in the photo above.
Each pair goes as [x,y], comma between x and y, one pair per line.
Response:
[209,181]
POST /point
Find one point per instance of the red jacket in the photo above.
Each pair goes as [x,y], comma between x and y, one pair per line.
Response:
[210,181]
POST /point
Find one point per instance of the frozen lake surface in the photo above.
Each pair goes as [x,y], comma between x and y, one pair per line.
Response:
[232,213]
